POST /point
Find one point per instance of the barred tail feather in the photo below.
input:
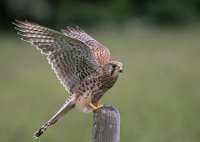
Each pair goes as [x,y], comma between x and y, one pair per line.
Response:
[69,103]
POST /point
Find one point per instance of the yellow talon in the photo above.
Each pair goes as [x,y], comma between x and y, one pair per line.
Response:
[95,107]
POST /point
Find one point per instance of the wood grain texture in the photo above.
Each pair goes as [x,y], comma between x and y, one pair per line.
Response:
[106,125]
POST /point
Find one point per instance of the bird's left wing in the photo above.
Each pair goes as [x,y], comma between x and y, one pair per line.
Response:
[71,59]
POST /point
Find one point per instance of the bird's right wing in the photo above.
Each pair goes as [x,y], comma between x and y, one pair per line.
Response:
[102,54]
[71,59]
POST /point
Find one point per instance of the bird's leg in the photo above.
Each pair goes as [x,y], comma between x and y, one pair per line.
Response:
[97,106]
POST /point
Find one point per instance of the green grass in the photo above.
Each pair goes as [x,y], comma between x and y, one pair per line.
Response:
[158,94]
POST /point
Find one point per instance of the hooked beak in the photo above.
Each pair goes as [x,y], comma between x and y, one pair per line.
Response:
[120,70]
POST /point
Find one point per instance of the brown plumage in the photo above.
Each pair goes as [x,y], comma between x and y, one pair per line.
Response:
[80,62]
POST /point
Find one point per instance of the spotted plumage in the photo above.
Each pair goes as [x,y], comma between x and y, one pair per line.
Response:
[80,62]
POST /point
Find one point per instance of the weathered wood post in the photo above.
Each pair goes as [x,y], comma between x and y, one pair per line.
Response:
[106,125]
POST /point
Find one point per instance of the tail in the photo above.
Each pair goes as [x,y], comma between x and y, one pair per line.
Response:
[69,103]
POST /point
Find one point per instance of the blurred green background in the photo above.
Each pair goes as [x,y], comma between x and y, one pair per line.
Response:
[158,95]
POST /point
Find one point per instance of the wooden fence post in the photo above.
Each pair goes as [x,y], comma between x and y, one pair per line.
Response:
[106,125]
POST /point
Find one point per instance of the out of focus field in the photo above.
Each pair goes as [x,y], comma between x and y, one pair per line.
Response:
[158,94]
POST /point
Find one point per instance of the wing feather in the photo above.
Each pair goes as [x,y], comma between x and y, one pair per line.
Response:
[71,60]
[101,53]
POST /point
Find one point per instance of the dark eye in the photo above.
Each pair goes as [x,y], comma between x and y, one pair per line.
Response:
[113,65]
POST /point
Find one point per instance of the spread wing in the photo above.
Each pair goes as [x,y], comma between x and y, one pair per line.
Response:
[102,54]
[71,59]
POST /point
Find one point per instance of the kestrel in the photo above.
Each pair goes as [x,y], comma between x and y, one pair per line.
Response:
[80,62]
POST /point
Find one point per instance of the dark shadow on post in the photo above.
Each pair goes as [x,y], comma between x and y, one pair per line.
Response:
[106,125]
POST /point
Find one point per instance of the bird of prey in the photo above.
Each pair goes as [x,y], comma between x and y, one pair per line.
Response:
[80,63]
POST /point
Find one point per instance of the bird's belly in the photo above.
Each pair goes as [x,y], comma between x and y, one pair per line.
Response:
[83,102]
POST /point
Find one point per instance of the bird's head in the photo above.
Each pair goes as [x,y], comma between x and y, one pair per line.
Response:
[114,68]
